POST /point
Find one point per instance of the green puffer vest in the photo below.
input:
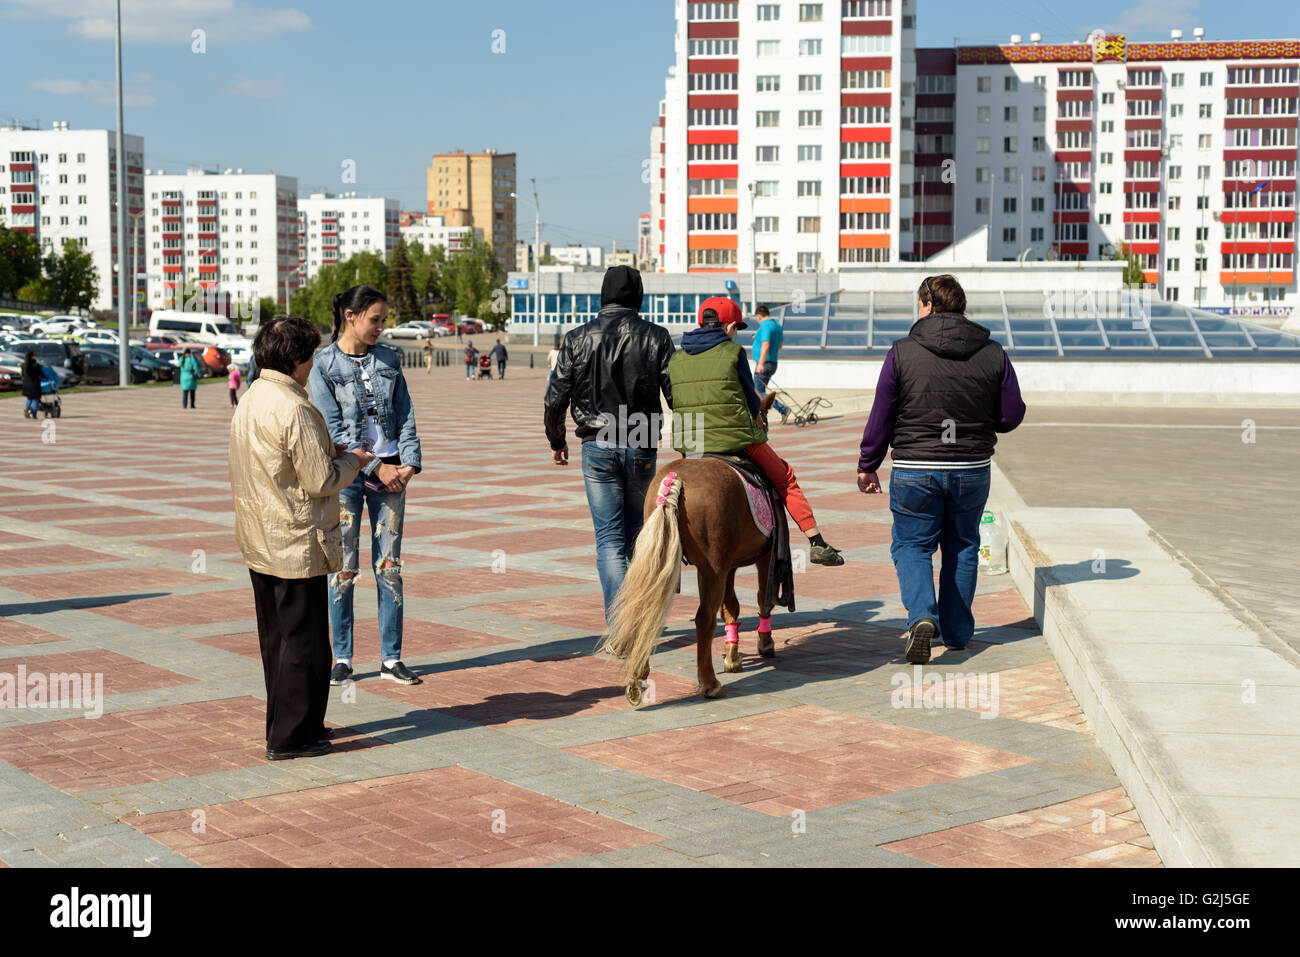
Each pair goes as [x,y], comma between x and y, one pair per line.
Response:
[709,409]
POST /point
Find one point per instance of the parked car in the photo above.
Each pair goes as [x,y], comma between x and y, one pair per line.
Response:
[99,335]
[159,369]
[61,325]
[206,368]
[10,359]
[416,329]
[162,342]
[101,369]
[471,326]
[60,353]
[13,322]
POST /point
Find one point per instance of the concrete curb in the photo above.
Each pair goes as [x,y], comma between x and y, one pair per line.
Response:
[1192,700]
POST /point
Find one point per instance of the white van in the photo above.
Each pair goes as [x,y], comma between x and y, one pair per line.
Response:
[202,327]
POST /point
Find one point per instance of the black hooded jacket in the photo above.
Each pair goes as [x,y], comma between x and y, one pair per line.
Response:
[949,391]
[617,361]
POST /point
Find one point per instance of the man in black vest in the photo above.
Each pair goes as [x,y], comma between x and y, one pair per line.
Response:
[944,394]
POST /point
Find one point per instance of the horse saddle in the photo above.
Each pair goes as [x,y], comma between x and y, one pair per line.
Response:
[758,489]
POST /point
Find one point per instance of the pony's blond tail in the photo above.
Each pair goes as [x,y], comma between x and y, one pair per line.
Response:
[640,608]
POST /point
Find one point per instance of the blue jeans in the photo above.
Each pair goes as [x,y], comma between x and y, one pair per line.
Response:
[617,479]
[762,376]
[386,510]
[938,508]
[187,398]
[33,406]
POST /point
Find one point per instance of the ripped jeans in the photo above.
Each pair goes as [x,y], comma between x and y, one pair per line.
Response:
[386,510]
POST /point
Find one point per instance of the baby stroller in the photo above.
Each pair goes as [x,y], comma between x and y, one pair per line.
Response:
[484,366]
[50,387]
[803,413]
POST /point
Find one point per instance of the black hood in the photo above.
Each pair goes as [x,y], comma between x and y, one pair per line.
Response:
[950,335]
[622,287]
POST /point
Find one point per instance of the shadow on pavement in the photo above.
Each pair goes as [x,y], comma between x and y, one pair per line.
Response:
[75,604]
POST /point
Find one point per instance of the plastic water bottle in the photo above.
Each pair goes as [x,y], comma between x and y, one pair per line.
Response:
[993,545]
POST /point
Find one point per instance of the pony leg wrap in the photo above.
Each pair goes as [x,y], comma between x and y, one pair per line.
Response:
[764,625]
[733,633]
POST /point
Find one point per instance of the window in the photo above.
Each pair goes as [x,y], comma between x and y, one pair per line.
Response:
[1009,204]
[1104,187]
[1175,172]
[981,174]
[768,154]
[1176,141]
[810,154]
[1201,264]
[763,187]
[1203,141]
[810,12]
[1040,144]
[1107,99]
[1036,234]
[715,47]
[1010,84]
[982,114]
[809,187]
[1202,202]
[1206,111]
[1171,293]
[1103,219]
[981,144]
[1175,79]
[769,11]
[810,47]
[769,47]
[712,11]
[1008,174]
[1040,114]
[1105,159]
[1009,144]
[1202,233]
[769,84]
[1036,204]
[767,224]
[1175,202]
[857,44]
[1009,235]
[1171,265]
[1040,82]
[1207,79]
[810,224]
[981,205]
[810,118]
[810,83]
[768,118]
[699,81]
[1202,172]
[1039,174]
[1008,114]
[983,84]
[1108,126]
[1172,234]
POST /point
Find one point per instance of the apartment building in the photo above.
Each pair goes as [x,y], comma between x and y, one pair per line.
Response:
[331,227]
[474,189]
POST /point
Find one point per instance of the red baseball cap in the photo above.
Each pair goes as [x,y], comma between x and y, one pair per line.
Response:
[727,310]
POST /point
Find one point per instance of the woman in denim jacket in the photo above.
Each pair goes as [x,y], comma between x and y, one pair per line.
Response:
[357,384]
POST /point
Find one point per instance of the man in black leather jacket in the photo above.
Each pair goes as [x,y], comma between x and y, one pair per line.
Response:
[611,372]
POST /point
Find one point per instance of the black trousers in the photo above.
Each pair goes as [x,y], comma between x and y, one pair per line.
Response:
[293,627]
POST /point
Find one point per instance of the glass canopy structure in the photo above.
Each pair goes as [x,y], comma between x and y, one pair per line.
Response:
[1033,325]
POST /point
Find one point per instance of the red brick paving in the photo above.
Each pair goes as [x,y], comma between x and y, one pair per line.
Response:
[13,500]
[104,582]
[581,611]
[438,818]
[176,611]
[800,758]
[11,558]
[1034,693]
[153,525]
[519,692]
[16,633]
[418,638]
[11,538]
[1092,831]
[63,515]
[472,581]
[121,674]
[1003,608]
[159,744]
[210,544]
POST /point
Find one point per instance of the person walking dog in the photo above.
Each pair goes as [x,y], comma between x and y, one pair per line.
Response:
[945,393]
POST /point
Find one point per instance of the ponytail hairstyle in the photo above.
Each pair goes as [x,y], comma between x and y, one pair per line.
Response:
[356,300]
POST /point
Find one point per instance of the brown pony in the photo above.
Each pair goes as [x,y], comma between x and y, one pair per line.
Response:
[704,513]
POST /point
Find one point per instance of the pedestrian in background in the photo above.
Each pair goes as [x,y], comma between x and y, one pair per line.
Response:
[428,356]
[944,393]
[471,360]
[285,476]
[611,371]
[766,350]
[499,353]
[189,376]
[233,381]
[32,375]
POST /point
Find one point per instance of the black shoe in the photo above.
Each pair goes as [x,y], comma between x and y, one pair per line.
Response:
[918,642]
[313,750]
[340,673]
[399,673]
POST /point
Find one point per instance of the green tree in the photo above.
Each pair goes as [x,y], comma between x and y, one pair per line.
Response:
[20,260]
[1134,275]
[403,303]
[471,278]
[73,279]
[267,307]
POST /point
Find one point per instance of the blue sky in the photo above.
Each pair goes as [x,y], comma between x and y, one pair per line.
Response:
[300,87]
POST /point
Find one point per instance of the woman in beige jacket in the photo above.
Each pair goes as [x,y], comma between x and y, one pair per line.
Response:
[285,476]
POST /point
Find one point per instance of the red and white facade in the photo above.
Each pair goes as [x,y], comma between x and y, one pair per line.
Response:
[1069,150]
[808,104]
[61,184]
[232,233]
[331,227]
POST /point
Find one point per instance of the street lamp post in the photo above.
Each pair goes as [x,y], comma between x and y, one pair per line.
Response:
[537,261]
[123,365]
[136,216]
[753,252]
[291,272]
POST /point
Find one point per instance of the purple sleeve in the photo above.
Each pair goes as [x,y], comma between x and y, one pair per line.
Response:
[1013,406]
[880,426]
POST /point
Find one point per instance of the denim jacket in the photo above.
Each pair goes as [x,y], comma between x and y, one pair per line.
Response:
[337,390]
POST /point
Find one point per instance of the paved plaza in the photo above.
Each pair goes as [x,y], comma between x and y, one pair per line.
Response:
[117,558]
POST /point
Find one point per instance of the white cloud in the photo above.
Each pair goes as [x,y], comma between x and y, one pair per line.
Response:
[1158,16]
[241,85]
[165,21]
[101,92]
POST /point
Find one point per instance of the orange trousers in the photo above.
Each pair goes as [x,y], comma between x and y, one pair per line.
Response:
[781,475]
